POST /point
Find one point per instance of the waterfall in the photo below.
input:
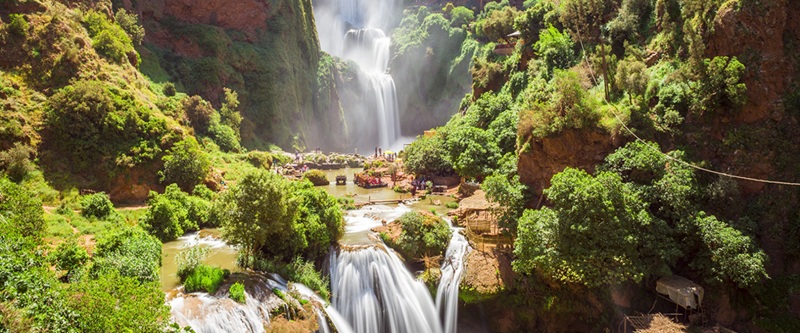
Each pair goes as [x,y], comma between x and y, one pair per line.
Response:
[355,30]
[452,269]
[376,293]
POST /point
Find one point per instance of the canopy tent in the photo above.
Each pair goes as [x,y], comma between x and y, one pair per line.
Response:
[681,291]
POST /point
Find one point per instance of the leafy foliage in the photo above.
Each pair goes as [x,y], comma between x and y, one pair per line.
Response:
[20,211]
[204,278]
[69,256]
[427,155]
[423,235]
[473,151]
[130,23]
[719,86]
[498,23]
[269,215]
[186,164]
[129,251]
[16,161]
[172,214]
[555,48]
[114,302]
[598,232]
[727,254]
[92,125]
[96,205]
[110,40]
[236,292]
[316,177]
[17,24]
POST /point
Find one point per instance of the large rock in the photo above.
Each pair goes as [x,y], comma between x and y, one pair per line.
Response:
[757,36]
[546,157]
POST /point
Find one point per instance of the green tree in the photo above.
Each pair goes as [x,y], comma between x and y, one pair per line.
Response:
[321,215]
[427,155]
[20,210]
[555,48]
[199,113]
[229,112]
[423,235]
[473,151]
[498,24]
[726,254]
[165,218]
[584,17]
[130,23]
[186,164]
[259,214]
[719,86]
[632,76]
[461,16]
[598,232]
[17,24]
[504,188]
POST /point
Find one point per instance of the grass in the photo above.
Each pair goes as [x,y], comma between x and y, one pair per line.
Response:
[205,278]
[57,226]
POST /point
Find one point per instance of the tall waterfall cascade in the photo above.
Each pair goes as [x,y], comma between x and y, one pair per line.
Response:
[374,291]
[355,30]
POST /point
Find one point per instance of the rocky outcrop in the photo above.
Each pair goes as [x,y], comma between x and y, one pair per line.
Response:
[756,35]
[577,148]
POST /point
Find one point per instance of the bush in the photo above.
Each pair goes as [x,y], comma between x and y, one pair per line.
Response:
[423,235]
[225,137]
[204,278]
[130,23]
[460,16]
[317,177]
[169,89]
[427,155]
[20,211]
[129,251]
[16,161]
[69,256]
[199,113]
[172,214]
[451,205]
[260,159]
[96,205]
[115,303]
[555,48]
[110,40]
[297,270]
[236,292]
[186,164]
[17,25]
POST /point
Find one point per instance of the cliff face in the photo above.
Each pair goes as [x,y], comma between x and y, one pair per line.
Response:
[268,51]
[571,148]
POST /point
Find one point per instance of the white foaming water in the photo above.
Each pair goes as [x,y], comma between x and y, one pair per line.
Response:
[452,269]
[376,293]
[355,30]
[216,313]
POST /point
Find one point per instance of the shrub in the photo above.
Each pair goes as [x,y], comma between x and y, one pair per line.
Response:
[129,251]
[198,112]
[236,292]
[186,164]
[204,278]
[110,40]
[96,205]
[555,48]
[169,89]
[20,210]
[460,16]
[175,212]
[267,214]
[225,137]
[317,177]
[297,270]
[260,159]
[130,23]
[451,205]
[16,161]
[115,303]
[69,256]
[427,155]
[17,24]
[423,235]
